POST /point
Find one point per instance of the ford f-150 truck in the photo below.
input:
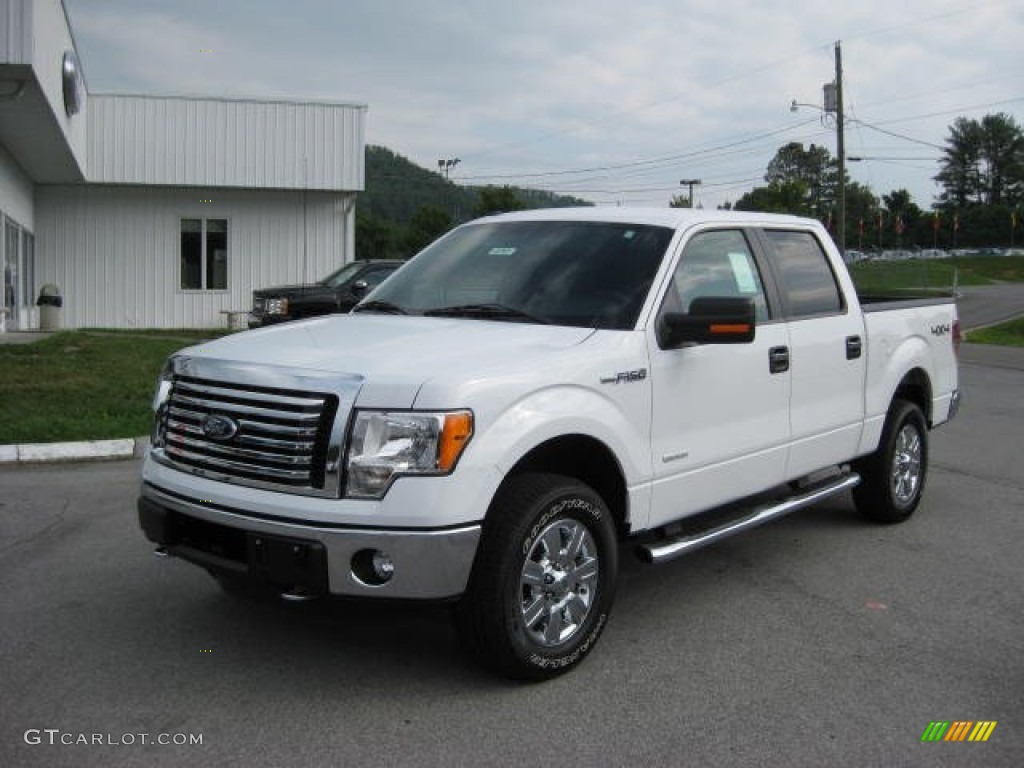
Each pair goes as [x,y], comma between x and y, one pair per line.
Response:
[533,391]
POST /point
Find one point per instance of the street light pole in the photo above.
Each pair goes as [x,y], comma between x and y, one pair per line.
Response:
[445,166]
[691,183]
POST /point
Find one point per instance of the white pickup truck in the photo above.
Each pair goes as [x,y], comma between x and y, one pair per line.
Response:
[532,391]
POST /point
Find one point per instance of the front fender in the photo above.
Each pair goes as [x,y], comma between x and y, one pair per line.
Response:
[619,419]
[570,410]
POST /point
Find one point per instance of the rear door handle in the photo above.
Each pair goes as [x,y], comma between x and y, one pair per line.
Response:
[854,347]
[778,359]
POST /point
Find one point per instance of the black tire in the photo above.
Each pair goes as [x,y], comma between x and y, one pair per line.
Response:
[530,612]
[893,477]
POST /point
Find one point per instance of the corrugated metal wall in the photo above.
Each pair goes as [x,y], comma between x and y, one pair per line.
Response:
[225,143]
[114,251]
[16,37]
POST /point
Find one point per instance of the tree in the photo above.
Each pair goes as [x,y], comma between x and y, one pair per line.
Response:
[680,201]
[1002,153]
[374,236]
[777,197]
[428,224]
[903,213]
[814,167]
[861,213]
[498,200]
[982,163]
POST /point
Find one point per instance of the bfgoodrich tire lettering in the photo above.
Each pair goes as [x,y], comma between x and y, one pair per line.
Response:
[543,580]
[893,477]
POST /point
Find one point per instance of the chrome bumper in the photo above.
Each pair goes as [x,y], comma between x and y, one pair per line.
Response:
[427,564]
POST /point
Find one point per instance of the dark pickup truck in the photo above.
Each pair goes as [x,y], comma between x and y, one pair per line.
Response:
[338,292]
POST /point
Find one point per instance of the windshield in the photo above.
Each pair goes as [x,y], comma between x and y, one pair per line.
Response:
[589,274]
[335,279]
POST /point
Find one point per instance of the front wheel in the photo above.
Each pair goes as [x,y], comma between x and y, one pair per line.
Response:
[892,478]
[544,578]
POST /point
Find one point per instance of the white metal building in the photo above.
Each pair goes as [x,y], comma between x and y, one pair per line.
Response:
[156,211]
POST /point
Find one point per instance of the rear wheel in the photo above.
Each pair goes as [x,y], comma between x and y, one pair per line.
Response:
[893,477]
[543,580]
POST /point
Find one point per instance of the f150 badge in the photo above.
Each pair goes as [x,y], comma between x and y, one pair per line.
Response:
[626,377]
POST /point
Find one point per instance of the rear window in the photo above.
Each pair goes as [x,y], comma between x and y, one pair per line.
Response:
[808,284]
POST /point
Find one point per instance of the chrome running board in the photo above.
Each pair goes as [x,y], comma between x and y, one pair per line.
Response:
[674,546]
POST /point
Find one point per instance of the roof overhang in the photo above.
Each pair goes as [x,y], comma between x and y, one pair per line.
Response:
[31,132]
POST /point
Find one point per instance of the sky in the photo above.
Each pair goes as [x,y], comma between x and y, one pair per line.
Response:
[614,102]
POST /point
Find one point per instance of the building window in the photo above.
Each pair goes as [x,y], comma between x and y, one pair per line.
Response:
[28,274]
[204,254]
[12,237]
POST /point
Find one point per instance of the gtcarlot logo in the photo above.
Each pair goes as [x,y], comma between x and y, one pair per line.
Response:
[54,736]
[958,730]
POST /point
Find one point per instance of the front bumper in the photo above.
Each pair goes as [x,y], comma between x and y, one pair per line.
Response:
[305,557]
[261,320]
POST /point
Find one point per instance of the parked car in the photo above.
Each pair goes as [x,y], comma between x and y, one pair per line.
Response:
[338,292]
[530,391]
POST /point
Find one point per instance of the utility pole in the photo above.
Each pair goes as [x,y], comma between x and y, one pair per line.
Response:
[840,151]
[691,183]
[833,98]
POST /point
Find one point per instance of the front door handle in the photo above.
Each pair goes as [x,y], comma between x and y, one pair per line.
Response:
[854,347]
[778,359]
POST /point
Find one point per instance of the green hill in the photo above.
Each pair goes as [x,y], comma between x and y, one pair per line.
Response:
[404,206]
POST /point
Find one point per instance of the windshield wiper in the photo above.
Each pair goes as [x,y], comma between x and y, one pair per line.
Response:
[487,312]
[380,306]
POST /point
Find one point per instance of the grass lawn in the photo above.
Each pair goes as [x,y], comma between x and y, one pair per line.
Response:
[894,278]
[1010,334]
[84,385]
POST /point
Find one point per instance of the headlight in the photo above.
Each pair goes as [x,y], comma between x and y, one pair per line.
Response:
[385,445]
[277,306]
[160,397]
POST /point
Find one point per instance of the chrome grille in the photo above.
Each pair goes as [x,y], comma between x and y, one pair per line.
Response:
[280,438]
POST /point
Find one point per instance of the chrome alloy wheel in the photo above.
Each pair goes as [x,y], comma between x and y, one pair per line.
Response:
[559,582]
[906,465]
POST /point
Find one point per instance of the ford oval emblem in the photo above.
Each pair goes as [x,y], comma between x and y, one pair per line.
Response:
[217,427]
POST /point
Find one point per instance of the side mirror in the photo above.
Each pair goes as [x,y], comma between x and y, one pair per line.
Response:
[711,320]
[359,287]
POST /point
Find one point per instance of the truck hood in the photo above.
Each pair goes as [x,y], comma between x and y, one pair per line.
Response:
[394,355]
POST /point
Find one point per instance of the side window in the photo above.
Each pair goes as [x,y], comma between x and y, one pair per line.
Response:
[808,283]
[375,277]
[716,263]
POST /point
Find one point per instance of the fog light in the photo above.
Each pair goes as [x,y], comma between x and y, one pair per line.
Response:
[372,567]
[383,566]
